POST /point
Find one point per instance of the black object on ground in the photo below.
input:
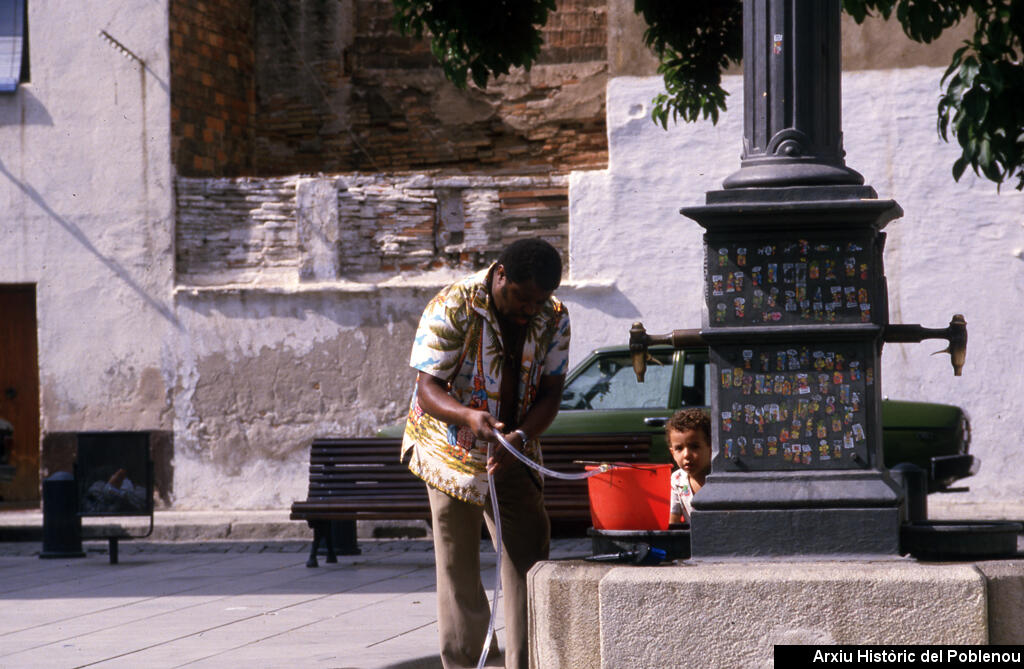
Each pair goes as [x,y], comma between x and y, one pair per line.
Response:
[960,539]
[62,526]
[674,543]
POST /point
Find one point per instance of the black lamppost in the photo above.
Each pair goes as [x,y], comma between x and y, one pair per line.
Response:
[796,314]
[792,105]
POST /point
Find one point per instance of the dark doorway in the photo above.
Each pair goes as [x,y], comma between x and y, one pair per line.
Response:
[19,391]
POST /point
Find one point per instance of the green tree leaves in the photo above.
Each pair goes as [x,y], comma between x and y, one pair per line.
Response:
[695,41]
[982,105]
[476,38]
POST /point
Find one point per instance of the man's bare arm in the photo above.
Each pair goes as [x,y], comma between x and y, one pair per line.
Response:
[543,411]
[545,408]
[433,396]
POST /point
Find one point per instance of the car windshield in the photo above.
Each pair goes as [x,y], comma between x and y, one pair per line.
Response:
[609,383]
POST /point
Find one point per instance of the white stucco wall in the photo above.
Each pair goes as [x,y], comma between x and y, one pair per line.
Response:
[86,211]
[262,372]
[954,250]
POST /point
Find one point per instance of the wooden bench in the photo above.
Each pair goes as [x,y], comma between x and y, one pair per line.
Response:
[362,479]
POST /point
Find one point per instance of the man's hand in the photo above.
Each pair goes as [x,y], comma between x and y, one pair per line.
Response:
[483,424]
[501,457]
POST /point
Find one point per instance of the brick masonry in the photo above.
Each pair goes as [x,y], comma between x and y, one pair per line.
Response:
[269,87]
[254,231]
[212,86]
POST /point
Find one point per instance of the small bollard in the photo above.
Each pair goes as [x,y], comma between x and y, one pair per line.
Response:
[914,482]
[62,526]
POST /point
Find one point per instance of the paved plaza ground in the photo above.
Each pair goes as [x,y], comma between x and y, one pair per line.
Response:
[231,589]
[223,589]
[225,604]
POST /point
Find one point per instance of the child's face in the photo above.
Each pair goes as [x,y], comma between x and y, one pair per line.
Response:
[691,451]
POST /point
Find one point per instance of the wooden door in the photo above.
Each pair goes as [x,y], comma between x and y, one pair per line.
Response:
[19,389]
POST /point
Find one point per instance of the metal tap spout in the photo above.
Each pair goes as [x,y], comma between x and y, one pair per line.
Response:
[640,341]
[955,334]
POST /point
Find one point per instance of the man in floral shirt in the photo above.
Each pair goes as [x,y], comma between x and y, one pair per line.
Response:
[491,352]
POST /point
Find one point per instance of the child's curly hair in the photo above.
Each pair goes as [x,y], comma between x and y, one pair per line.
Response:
[690,419]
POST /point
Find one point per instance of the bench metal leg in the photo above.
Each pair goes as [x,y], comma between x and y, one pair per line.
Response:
[329,540]
[112,544]
[318,530]
[344,531]
[326,533]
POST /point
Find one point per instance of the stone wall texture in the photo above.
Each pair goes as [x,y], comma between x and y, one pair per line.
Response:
[253,231]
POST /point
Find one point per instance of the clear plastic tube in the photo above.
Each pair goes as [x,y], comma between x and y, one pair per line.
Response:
[497,564]
[497,523]
[544,470]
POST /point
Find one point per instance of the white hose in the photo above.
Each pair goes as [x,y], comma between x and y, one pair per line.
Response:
[497,522]
[544,470]
[497,564]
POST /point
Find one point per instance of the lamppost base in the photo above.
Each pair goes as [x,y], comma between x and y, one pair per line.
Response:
[782,172]
[787,514]
[782,533]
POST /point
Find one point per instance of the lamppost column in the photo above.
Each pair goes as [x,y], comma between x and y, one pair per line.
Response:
[792,119]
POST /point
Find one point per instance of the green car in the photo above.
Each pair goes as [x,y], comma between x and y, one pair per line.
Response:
[602,396]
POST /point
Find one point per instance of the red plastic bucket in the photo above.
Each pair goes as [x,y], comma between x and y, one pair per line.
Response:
[630,497]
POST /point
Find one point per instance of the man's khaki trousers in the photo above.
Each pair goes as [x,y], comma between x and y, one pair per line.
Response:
[463,612]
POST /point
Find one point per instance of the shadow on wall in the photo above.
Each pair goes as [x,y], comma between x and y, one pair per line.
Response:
[609,300]
[113,265]
[23,108]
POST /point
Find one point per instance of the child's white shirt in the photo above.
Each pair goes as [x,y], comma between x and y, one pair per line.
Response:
[682,495]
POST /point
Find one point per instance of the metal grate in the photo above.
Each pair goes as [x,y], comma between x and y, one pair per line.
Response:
[114,474]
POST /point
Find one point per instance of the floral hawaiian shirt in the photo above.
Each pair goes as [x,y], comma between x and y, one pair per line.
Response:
[459,340]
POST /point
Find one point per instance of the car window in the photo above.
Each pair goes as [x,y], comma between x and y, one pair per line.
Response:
[610,383]
[695,389]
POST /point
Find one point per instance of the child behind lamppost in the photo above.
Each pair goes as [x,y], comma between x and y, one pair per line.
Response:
[688,433]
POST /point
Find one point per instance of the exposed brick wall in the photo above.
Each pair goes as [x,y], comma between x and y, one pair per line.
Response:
[408,224]
[276,87]
[577,32]
[245,231]
[212,86]
[301,106]
[340,90]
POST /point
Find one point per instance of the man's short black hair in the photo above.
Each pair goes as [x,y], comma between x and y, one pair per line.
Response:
[535,259]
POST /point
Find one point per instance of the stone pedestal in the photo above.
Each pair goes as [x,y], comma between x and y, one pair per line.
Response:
[731,614]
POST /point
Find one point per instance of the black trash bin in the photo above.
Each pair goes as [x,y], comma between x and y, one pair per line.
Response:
[62,526]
